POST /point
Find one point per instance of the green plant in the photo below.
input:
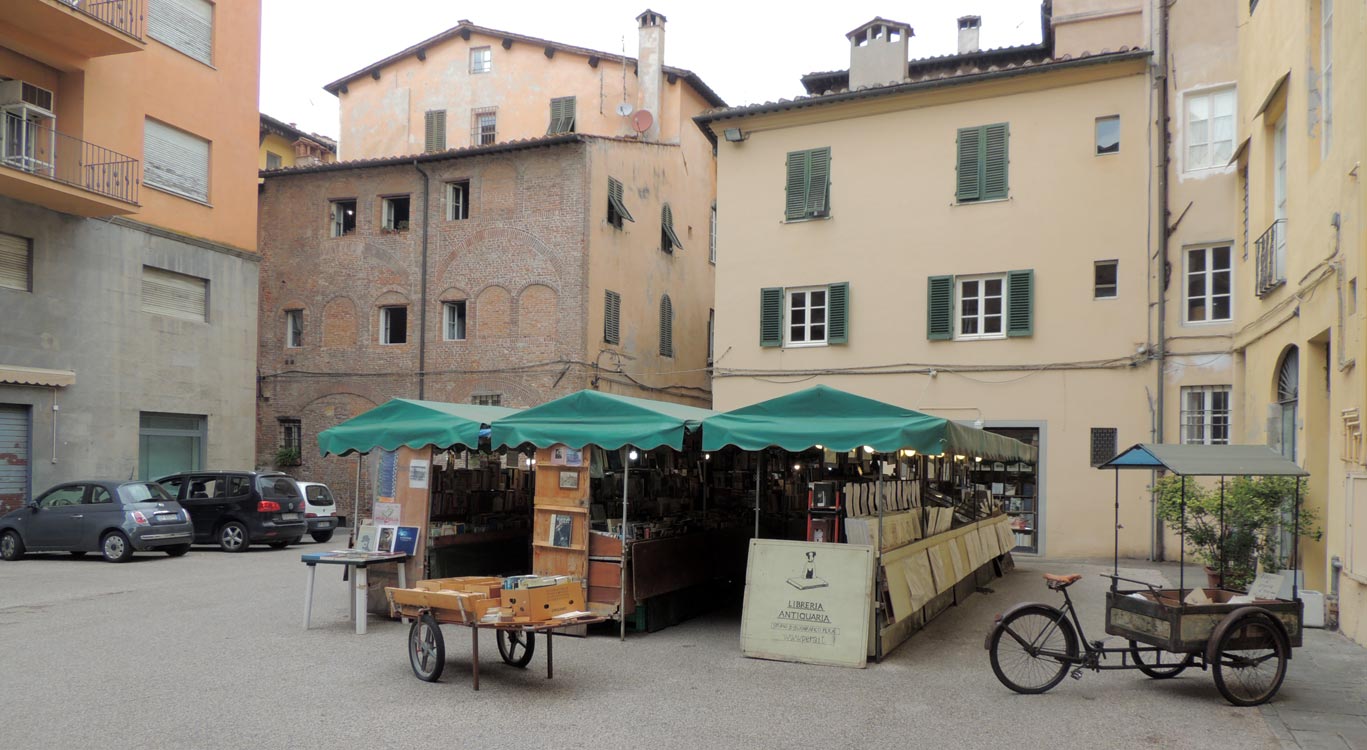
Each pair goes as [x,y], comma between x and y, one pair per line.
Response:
[287,457]
[1257,511]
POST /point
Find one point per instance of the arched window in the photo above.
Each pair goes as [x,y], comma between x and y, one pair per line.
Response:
[1288,396]
[666,327]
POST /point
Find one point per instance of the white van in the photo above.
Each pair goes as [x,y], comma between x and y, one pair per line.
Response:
[320,510]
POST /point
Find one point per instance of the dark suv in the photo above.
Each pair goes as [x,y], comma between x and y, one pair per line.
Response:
[235,509]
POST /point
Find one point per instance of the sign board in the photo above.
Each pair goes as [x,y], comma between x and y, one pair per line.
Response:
[808,602]
[1266,586]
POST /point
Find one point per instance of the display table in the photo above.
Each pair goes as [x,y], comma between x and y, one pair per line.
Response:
[357,562]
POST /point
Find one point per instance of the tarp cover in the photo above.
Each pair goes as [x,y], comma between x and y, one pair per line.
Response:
[410,422]
[842,421]
[606,420]
[1207,460]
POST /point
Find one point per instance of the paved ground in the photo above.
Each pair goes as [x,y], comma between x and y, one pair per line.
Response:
[207,651]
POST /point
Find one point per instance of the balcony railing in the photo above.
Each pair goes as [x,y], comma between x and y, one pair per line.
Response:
[1271,257]
[124,15]
[31,147]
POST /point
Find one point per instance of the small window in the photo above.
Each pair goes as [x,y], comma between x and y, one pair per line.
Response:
[668,238]
[807,316]
[454,315]
[612,317]
[174,295]
[1108,135]
[481,60]
[16,263]
[291,434]
[484,126]
[394,325]
[1208,284]
[273,160]
[666,327]
[1205,415]
[1210,129]
[1104,442]
[186,26]
[434,130]
[396,213]
[712,238]
[487,399]
[1105,274]
[458,200]
[981,312]
[294,328]
[343,217]
[562,115]
[617,207]
[807,193]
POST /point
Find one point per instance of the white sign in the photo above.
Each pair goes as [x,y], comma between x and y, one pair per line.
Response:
[808,602]
[386,513]
[417,474]
[1266,586]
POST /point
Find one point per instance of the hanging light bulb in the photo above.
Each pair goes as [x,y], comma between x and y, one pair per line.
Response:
[977,459]
[821,447]
[707,456]
[797,467]
[908,453]
[868,449]
[959,457]
[632,455]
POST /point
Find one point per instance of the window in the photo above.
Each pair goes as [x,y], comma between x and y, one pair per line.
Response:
[434,130]
[1208,284]
[562,115]
[1327,70]
[982,163]
[808,191]
[175,161]
[273,160]
[63,497]
[668,239]
[294,328]
[291,434]
[487,399]
[666,327]
[186,26]
[100,495]
[458,200]
[1105,274]
[481,60]
[394,325]
[989,306]
[711,333]
[169,444]
[16,263]
[1104,444]
[612,317]
[396,213]
[1205,415]
[980,307]
[484,126]
[1210,129]
[453,313]
[343,217]
[712,238]
[174,295]
[1108,135]
[804,316]
[617,207]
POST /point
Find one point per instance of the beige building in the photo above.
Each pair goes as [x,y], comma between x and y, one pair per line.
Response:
[284,145]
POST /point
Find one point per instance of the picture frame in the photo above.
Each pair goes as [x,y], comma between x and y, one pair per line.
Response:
[562,530]
[384,538]
[569,480]
[366,538]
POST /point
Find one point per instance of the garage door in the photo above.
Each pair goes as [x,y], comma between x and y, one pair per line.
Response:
[14,456]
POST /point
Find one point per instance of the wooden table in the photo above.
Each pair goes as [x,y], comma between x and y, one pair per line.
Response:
[360,581]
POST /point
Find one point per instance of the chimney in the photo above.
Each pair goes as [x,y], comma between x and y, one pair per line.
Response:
[968,34]
[878,53]
[650,56]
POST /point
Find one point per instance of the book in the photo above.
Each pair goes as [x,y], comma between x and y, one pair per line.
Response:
[366,537]
[406,540]
[384,541]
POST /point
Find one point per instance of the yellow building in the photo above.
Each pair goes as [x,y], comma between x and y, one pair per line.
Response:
[283,145]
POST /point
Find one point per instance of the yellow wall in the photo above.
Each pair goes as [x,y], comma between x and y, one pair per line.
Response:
[277,145]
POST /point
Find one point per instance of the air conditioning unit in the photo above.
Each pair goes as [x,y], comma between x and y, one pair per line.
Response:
[15,91]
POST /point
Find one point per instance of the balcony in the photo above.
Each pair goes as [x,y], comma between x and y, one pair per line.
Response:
[39,165]
[65,33]
[1271,258]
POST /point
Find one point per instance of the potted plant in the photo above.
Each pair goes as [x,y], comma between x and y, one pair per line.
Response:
[287,457]
[1256,512]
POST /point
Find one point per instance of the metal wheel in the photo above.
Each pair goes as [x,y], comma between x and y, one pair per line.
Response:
[11,546]
[516,647]
[115,547]
[1250,658]
[426,648]
[233,537]
[1033,648]
[1159,665]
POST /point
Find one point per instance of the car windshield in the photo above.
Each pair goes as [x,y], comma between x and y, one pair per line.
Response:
[319,495]
[144,492]
[277,488]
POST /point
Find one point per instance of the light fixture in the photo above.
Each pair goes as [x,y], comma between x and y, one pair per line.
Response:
[959,457]
[632,455]
[707,456]
[821,447]
[977,459]
[734,135]
[908,453]
[797,467]
[868,449]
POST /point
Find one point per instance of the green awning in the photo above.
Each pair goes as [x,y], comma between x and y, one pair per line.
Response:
[606,420]
[410,422]
[1207,460]
[842,421]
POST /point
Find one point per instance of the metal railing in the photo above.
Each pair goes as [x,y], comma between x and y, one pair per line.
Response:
[1271,257]
[30,147]
[123,15]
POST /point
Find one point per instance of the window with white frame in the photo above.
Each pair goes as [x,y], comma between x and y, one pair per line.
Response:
[807,316]
[980,307]
[1205,415]
[1105,279]
[481,60]
[1326,71]
[453,313]
[1108,135]
[1210,129]
[458,200]
[396,213]
[484,126]
[1208,284]
[394,325]
[294,328]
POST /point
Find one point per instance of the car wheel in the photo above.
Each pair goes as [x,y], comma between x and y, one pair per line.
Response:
[11,546]
[321,536]
[280,545]
[115,547]
[178,550]
[78,553]
[233,537]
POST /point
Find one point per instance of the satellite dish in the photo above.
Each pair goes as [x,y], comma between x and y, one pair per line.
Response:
[642,120]
[624,109]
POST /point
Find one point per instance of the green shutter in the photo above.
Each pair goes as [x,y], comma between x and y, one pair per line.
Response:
[1020,303]
[940,308]
[838,313]
[771,316]
[435,126]
[615,197]
[819,182]
[969,183]
[995,161]
[670,239]
[612,318]
[799,168]
[562,115]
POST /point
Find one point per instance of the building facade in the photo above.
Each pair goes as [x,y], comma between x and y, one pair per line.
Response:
[128,271]
[283,145]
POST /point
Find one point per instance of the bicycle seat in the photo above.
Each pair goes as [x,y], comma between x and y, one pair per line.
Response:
[1062,582]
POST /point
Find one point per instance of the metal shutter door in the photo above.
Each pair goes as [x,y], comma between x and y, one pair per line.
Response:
[14,457]
[14,262]
[173,294]
[185,25]
[175,161]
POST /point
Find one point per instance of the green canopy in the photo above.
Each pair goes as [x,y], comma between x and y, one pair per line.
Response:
[410,422]
[842,421]
[606,420]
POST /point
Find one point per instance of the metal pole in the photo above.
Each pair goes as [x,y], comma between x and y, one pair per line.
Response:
[1221,538]
[626,472]
[1182,557]
[1296,543]
[878,545]
[356,503]
[1117,527]
[758,458]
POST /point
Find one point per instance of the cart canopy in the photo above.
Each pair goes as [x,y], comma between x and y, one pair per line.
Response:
[413,423]
[1207,460]
[606,420]
[842,421]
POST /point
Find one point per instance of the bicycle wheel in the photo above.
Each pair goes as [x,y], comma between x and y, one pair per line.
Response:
[426,648]
[1250,661]
[1160,665]
[1033,649]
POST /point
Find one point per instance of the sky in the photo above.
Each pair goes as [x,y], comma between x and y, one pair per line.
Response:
[748,52]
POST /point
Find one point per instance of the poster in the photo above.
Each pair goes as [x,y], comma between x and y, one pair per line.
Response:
[388,468]
[406,540]
[386,513]
[418,469]
[562,530]
[385,541]
[365,538]
[808,602]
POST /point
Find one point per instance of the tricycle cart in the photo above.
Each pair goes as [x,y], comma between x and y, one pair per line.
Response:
[1245,639]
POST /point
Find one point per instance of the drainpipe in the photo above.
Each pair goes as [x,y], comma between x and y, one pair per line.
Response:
[1161,355]
[422,294]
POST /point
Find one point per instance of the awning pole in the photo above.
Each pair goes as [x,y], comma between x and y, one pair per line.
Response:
[1182,556]
[1221,538]
[878,545]
[622,597]
[758,458]
[1296,544]
[1117,527]
[356,503]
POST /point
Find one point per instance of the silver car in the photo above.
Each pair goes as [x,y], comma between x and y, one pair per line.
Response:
[112,518]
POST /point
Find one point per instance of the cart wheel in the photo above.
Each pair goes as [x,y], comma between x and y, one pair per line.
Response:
[1021,646]
[1159,665]
[426,648]
[1250,659]
[516,647]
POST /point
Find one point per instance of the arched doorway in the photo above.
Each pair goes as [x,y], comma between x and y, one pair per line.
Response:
[1288,386]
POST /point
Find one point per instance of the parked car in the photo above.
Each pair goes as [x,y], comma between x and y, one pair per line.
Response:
[112,518]
[236,509]
[320,510]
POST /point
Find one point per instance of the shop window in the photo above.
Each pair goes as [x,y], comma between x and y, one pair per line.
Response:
[394,325]
[458,200]
[294,329]
[1105,279]
[396,213]
[982,161]
[808,188]
[1208,284]
[481,60]
[1108,135]
[1205,415]
[170,443]
[343,217]
[454,315]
